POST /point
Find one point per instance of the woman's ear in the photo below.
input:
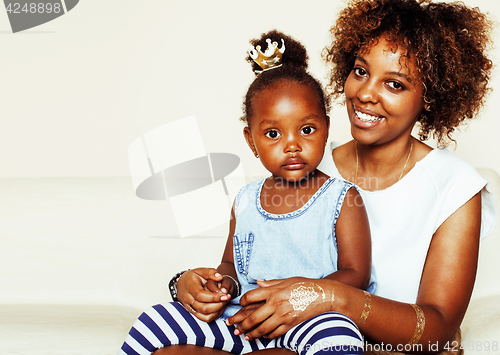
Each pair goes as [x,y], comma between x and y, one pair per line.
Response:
[248,137]
[327,132]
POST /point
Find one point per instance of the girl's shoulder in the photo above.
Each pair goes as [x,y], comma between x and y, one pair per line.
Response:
[248,192]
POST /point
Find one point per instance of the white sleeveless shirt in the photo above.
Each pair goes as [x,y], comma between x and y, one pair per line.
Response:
[404,217]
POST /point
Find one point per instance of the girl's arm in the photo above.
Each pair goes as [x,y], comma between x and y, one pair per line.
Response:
[229,283]
[445,289]
[206,291]
[353,243]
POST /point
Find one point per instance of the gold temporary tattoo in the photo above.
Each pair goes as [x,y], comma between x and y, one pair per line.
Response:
[419,329]
[333,297]
[366,308]
[323,295]
[303,296]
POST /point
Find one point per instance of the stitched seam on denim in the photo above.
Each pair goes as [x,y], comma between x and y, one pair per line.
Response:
[238,198]
[249,250]
[243,261]
[294,214]
[237,252]
[336,212]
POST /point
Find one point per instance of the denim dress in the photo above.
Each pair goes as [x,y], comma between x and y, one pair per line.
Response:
[269,246]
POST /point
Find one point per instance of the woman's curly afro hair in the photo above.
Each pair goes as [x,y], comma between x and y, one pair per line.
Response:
[447,41]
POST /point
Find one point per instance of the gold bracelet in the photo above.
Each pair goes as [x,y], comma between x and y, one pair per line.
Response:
[366,308]
[419,329]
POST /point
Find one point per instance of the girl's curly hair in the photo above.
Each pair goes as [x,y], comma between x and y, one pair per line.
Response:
[294,69]
[447,41]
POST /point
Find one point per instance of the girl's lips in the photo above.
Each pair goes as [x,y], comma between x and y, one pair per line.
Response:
[294,163]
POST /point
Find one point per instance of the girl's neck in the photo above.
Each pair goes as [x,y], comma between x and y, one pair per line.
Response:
[280,196]
[314,180]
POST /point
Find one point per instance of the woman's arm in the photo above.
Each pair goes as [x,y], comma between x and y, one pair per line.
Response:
[444,294]
[445,287]
[353,243]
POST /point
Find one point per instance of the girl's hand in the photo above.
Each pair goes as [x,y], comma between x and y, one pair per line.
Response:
[196,295]
[226,288]
[271,310]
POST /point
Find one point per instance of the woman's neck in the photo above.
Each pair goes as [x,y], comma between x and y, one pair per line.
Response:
[377,167]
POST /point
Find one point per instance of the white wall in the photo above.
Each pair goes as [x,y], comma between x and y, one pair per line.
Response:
[78,90]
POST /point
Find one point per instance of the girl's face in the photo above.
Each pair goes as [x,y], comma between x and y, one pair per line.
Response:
[383,98]
[288,130]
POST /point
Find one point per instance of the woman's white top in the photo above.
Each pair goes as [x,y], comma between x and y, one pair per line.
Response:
[404,217]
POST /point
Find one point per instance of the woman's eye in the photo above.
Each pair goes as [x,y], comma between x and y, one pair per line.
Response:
[308,130]
[272,134]
[359,71]
[395,85]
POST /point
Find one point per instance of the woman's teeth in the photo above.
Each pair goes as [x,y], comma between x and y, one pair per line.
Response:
[367,118]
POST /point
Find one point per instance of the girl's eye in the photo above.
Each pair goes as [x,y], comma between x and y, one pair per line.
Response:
[307,130]
[359,71]
[272,134]
[395,85]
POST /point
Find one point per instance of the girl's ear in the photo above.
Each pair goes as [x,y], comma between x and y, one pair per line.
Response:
[248,137]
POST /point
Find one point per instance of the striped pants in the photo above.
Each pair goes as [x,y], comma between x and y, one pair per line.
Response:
[170,324]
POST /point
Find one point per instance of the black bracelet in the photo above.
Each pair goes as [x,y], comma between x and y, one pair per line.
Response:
[172,285]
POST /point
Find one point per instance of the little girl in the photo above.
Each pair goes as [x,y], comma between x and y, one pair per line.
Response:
[297,223]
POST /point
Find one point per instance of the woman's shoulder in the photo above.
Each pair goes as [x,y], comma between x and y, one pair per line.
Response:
[341,152]
[443,168]
[337,159]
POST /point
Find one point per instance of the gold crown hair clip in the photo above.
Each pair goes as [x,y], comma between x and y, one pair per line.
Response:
[271,58]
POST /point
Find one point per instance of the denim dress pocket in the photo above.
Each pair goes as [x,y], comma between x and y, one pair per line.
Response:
[242,245]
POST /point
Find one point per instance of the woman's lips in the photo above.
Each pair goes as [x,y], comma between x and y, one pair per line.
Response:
[366,120]
[366,117]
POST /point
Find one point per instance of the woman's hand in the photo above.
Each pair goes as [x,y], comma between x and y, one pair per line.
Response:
[277,306]
[201,292]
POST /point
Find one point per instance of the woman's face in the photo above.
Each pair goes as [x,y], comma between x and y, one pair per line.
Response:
[383,98]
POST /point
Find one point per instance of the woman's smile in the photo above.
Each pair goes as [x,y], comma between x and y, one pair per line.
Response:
[383,97]
[365,119]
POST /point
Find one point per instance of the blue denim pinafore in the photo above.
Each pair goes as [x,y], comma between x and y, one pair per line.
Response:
[270,246]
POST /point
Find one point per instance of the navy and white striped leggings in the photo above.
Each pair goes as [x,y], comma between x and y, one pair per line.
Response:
[170,324]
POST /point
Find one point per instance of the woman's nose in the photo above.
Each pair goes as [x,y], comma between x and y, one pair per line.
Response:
[368,92]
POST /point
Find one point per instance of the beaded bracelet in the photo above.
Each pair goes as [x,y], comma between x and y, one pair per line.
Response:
[236,283]
[172,285]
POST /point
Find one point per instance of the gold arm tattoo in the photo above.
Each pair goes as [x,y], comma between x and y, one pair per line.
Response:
[419,329]
[366,308]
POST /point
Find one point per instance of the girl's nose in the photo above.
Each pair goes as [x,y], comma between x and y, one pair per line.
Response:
[292,144]
[368,92]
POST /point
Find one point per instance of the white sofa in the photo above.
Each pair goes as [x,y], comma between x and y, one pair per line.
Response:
[481,325]
[81,258]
